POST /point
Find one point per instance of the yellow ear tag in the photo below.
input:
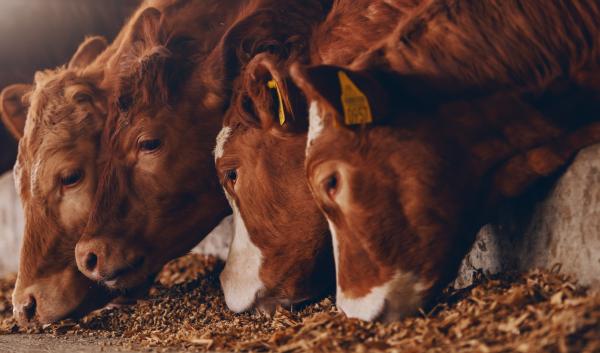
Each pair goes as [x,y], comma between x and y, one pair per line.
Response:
[273,85]
[355,103]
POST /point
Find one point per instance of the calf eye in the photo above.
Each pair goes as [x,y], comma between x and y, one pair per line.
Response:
[72,178]
[330,185]
[150,145]
[83,98]
[231,176]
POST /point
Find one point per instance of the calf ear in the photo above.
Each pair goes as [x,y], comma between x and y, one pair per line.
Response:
[354,97]
[13,108]
[268,99]
[88,51]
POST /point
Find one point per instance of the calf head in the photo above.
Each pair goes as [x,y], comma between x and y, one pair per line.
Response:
[391,196]
[405,182]
[158,193]
[58,121]
[280,252]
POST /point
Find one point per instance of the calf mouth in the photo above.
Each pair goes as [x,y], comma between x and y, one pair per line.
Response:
[126,276]
[51,312]
[268,305]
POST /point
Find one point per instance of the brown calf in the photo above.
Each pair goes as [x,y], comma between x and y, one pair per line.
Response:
[59,123]
[262,174]
[158,193]
[281,252]
[405,194]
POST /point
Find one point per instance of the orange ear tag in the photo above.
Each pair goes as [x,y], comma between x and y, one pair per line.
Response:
[355,103]
[273,85]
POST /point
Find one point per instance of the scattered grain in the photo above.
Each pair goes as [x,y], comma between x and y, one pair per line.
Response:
[536,312]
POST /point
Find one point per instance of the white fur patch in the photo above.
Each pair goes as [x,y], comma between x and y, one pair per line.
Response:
[315,124]
[222,138]
[34,176]
[390,301]
[336,250]
[17,176]
[218,241]
[240,277]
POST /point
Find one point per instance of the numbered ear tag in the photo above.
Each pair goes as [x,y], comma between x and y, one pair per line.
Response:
[273,85]
[355,103]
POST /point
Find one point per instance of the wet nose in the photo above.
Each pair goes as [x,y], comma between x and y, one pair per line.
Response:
[24,312]
[88,257]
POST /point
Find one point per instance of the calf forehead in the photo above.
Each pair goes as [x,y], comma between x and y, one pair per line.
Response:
[53,93]
[54,122]
[46,148]
[43,139]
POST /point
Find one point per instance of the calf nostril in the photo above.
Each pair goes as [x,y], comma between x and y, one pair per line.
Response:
[29,308]
[91,260]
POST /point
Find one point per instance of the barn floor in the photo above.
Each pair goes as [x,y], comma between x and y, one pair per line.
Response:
[46,343]
[539,311]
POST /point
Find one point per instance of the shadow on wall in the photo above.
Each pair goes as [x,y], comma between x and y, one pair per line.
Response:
[42,34]
[8,150]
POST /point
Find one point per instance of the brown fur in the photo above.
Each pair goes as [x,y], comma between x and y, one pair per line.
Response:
[470,46]
[59,118]
[169,85]
[352,27]
[272,195]
[422,179]
[492,44]
[59,136]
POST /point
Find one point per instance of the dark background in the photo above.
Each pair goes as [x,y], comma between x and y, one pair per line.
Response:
[42,34]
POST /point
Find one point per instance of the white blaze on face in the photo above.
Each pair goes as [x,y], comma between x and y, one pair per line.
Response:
[17,177]
[34,177]
[400,296]
[336,250]
[222,138]
[315,124]
[240,278]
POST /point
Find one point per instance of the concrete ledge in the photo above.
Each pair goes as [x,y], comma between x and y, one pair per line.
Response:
[11,225]
[562,230]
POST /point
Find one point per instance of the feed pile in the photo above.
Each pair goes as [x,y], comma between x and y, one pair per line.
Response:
[185,309]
